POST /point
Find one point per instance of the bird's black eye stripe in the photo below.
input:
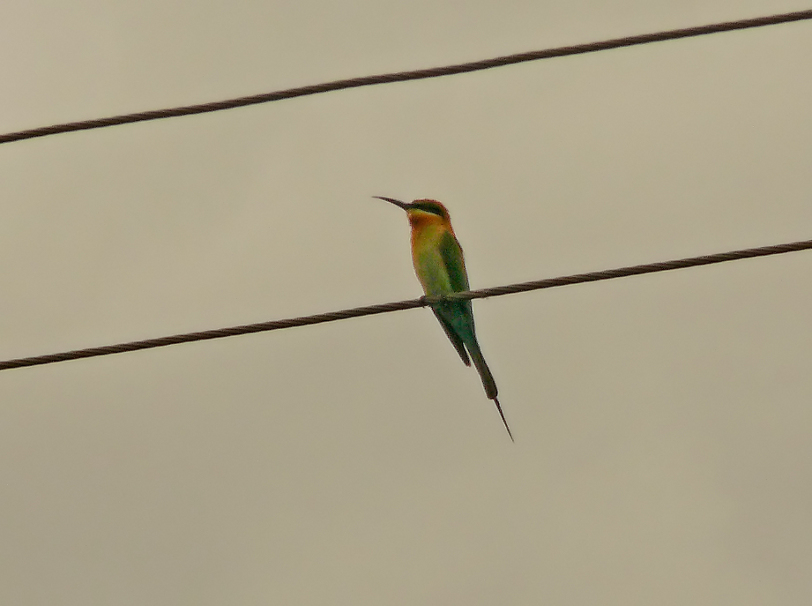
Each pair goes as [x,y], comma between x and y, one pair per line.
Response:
[428,207]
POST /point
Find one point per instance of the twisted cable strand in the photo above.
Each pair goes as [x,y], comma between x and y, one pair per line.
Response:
[418,74]
[369,310]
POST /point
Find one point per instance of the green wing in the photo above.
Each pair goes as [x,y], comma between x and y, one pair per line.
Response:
[451,254]
[456,317]
[453,337]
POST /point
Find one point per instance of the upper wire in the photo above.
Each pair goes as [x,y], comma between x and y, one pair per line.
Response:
[419,74]
[595,276]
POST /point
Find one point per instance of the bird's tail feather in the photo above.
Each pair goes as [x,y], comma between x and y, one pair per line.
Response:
[484,372]
[501,414]
[487,382]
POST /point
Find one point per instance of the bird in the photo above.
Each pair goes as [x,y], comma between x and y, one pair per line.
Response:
[440,268]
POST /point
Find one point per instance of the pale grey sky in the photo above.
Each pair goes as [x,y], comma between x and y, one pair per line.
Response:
[662,423]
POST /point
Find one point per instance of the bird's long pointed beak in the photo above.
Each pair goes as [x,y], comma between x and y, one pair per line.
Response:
[403,205]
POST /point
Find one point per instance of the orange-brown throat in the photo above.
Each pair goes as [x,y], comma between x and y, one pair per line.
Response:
[428,213]
[419,219]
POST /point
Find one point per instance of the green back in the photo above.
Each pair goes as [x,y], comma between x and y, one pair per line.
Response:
[456,316]
[451,254]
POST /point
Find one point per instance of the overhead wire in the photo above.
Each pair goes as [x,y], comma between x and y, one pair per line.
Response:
[419,74]
[402,77]
[357,312]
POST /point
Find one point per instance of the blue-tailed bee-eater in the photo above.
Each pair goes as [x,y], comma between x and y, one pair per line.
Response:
[440,267]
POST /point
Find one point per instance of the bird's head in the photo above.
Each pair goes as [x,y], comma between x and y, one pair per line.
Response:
[422,212]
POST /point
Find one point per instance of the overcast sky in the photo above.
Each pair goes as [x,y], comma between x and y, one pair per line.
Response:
[662,422]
